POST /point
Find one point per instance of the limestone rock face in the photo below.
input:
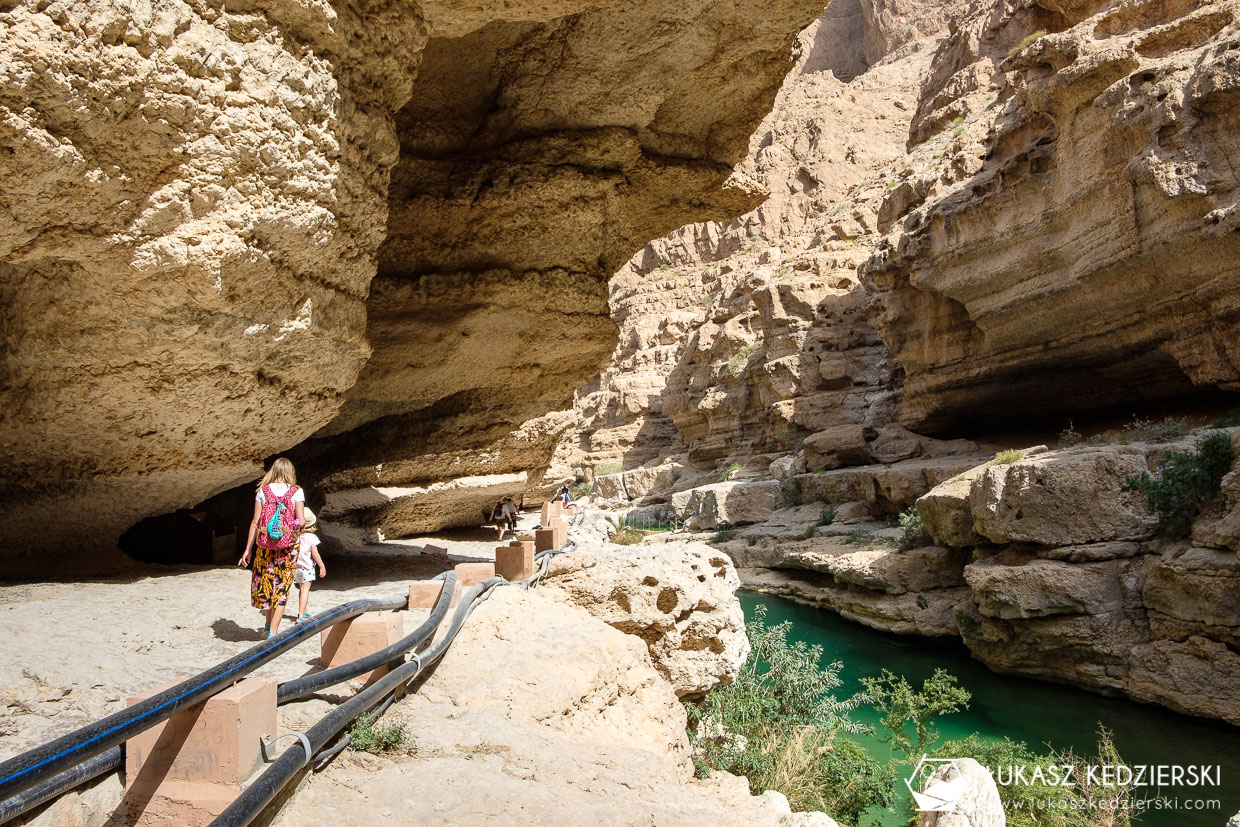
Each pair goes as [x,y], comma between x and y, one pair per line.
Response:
[1097,190]
[947,513]
[841,445]
[199,202]
[743,337]
[677,597]
[1061,498]
[728,503]
[1041,588]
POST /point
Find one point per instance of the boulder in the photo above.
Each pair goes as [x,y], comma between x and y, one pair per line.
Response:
[678,597]
[1040,588]
[787,467]
[891,570]
[1194,593]
[886,488]
[895,443]
[946,511]
[852,514]
[728,503]
[610,487]
[1061,499]
[838,446]
[977,801]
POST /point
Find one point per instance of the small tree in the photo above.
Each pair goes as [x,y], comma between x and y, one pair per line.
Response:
[901,706]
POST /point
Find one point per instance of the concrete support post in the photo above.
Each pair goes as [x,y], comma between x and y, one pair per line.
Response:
[187,769]
[360,636]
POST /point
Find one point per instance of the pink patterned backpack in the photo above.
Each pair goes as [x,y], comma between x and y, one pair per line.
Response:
[275,527]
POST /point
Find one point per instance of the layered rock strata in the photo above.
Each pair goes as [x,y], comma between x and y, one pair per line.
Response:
[1046,567]
[199,200]
[1090,256]
[747,336]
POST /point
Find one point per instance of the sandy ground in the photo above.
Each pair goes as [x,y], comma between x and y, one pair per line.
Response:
[71,652]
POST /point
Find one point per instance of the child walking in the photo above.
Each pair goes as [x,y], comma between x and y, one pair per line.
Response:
[307,558]
[279,511]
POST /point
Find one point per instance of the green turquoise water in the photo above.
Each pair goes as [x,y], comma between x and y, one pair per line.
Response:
[1036,712]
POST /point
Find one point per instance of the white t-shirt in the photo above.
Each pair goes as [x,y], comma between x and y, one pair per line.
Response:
[280,489]
[304,560]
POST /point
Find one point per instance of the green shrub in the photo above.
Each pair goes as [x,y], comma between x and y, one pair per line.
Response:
[580,489]
[725,533]
[810,531]
[1230,421]
[857,535]
[739,359]
[751,541]
[727,472]
[605,468]
[369,736]
[1026,43]
[827,516]
[1008,457]
[912,531]
[628,536]
[1069,436]
[1188,482]
[903,707]
[780,725]
[1078,804]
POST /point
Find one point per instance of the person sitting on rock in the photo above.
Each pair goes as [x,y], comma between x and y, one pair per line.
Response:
[499,518]
[509,514]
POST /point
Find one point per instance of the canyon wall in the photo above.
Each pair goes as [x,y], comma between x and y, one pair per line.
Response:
[1050,566]
[979,218]
[744,337]
[197,201]
[1092,255]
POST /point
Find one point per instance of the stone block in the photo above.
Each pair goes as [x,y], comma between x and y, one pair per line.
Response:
[544,540]
[360,636]
[423,594]
[550,510]
[516,561]
[187,769]
[467,574]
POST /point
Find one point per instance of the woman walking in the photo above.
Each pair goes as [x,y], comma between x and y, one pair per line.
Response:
[279,511]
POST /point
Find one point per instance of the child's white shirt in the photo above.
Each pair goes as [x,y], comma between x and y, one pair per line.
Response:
[304,559]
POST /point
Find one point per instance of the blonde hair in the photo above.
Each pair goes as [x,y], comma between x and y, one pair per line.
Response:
[281,470]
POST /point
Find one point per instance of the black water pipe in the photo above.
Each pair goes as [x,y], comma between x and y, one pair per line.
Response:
[61,783]
[34,766]
[267,786]
[300,687]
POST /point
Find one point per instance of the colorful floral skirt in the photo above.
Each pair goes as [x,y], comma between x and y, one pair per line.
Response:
[272,577]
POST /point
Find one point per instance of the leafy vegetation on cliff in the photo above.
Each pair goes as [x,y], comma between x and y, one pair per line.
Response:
[782,726]
[1187,483]
[1036,800]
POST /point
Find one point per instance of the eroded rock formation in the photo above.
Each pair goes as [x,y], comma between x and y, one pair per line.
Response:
[678,598]
[1090,255]
[1046,567]
[197,200]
